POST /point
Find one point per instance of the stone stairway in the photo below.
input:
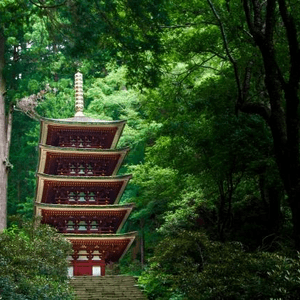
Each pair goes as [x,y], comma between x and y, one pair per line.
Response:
[108,287]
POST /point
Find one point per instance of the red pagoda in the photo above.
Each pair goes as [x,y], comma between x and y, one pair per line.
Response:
[78,189]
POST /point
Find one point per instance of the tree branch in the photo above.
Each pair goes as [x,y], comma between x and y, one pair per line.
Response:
[291,32]
[270,21]
[255,26]
[191,70]
[247,79]
[178,26]
[248,17]
[231,59]
[256,108]
[257,20]
[40,5]
[8,131]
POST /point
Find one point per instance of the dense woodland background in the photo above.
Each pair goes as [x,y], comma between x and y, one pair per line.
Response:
[210,90]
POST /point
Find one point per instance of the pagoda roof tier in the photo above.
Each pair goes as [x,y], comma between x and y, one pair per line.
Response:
[81,132]
[110,248]
[80,162]
[79,219]
[55,189]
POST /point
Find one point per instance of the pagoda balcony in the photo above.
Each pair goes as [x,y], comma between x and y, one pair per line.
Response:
[84,220]
[83,225]
[80,190]
[83,196]
[71,167]
[110,248]
[81,132]
[82,138]
[84,162]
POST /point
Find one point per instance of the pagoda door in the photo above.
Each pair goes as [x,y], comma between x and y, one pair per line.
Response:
[83,268]
[88,268]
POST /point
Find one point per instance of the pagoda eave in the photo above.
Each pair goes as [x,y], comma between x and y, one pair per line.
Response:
[85,178]
[85,207]
[102,237]
[82,120]
[83,150]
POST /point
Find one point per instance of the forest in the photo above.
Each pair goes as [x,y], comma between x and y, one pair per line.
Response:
[210,92]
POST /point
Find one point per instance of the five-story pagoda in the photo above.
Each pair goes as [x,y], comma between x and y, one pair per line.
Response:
[78,189]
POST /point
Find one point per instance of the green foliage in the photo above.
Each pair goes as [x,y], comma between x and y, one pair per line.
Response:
[176,261]
[196,162]
[110,98]
[190,265]
[60,103]
[33,263]
[219,158]
[23,156]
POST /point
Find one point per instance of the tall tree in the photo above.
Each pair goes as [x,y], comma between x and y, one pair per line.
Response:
[10,28]
[271,30]
[3,173]
[258,49]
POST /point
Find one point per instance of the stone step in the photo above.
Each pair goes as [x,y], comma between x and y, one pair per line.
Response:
[108,287]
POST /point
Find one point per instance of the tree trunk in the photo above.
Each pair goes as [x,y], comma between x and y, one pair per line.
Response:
[283,88]
[295,208]
[271,196]
[142,244]
[3,144]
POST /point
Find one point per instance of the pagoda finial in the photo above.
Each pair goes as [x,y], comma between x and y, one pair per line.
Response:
[79,102]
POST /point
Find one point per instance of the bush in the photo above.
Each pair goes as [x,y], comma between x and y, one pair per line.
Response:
[33,264]
[189,266]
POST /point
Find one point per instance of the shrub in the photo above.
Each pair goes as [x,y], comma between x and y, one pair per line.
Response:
[33,264]
[190,266]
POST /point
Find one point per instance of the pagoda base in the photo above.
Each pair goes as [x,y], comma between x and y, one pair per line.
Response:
[87,268]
